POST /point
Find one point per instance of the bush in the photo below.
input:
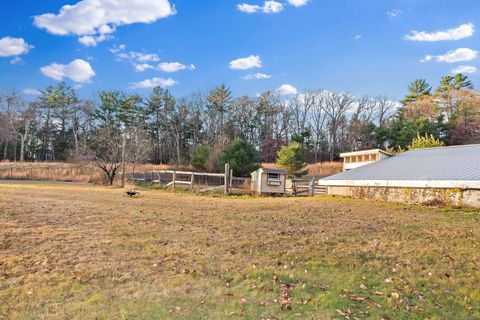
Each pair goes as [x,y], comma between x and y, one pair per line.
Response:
[199,159]
[242,158]
[292,158]
[426,141]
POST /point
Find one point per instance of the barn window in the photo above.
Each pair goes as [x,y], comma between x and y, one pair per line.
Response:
[273,176]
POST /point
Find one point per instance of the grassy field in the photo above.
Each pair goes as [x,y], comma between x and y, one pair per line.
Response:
[77,251]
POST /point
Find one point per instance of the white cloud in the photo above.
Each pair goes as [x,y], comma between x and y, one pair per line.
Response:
[255,76]
[152,83]
[78,70]
[427,58]
[31,92]
[118,49]
[92,41]
[144,57]
[134,56]
[272,7]
[394,13]
[88,41]
[460,32]
[458,55]
[97,18]
[248,8]
[464,69]
[358,37]
[16,60]
[143,61]
[10,47]
[268,7]
[141,67]
[173,67]
[286,89]
[249,62]
[298,3]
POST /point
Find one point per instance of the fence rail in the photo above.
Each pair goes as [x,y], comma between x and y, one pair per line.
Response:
[201,181]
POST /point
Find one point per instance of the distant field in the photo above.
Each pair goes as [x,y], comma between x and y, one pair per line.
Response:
[77,172]
[61,171]
[76,251]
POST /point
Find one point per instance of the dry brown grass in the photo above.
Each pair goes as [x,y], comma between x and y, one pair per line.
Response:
[87,173]
[75,251]
[66,172]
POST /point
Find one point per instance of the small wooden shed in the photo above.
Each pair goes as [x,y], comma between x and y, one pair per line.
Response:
[269,181]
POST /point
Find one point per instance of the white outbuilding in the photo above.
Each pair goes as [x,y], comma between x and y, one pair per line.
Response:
[444,175]
[269,181]
[355,159]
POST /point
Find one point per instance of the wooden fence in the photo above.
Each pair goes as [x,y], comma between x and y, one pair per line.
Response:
[201,181]
[220,182]
[304,187]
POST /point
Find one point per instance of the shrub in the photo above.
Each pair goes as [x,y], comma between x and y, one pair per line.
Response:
[425,142]
[242,158]
[292,158]
[199,159]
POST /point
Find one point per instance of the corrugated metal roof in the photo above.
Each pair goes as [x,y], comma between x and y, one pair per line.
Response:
[461,163]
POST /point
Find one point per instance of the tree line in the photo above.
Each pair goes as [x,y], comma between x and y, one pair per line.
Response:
[159,128]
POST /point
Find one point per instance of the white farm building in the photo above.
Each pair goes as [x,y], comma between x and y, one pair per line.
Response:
[443,176]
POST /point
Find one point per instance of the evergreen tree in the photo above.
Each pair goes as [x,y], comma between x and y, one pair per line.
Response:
[200,158]
[456,82]
[292,158]
[416,90]
[242,158]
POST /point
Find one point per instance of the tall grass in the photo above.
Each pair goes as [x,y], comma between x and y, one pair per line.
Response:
[66,172]
[87,173]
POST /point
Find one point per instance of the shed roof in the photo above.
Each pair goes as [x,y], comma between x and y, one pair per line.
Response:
[455,163]
[274,170]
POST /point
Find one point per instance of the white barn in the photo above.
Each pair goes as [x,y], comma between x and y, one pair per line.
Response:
[443,176]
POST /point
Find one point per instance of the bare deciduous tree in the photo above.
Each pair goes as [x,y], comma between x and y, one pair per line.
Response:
[335,106]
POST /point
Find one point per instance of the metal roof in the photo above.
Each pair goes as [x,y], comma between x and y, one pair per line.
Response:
[455,163]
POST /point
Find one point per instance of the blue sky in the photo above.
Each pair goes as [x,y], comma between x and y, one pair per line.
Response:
[342,45]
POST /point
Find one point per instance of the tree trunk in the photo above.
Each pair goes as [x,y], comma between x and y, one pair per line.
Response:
[5,150]
[111,177]
[23,138]
[123,160]
[178,149]
[22,148]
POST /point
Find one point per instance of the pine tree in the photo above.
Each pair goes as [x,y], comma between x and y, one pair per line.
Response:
[417,89]
[456,82]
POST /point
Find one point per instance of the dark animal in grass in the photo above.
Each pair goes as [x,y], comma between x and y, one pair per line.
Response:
[132,193]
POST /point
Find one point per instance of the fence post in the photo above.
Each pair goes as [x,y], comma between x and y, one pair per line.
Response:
[191,180]
[312,187]
[226,180]
[174,178]
[11,172]
[231,181]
